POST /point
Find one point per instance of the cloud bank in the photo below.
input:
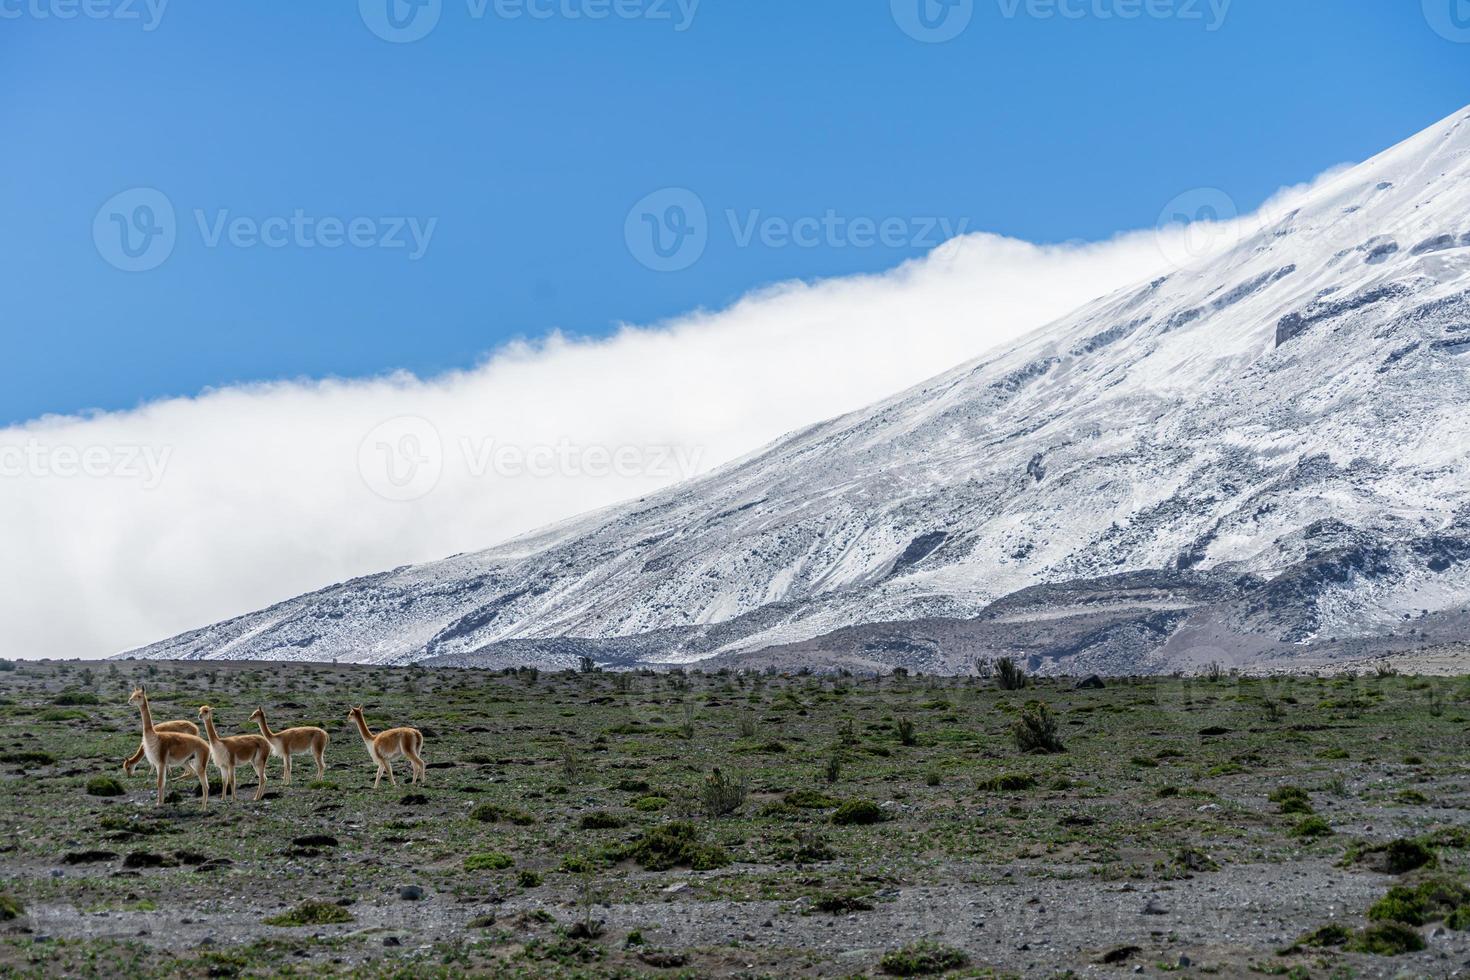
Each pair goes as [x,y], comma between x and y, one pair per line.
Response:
[125,528]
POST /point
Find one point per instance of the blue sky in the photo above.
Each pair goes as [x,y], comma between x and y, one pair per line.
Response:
[517,145]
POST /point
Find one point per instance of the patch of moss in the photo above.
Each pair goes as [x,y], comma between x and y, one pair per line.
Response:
[922,958]
[673,845]
[488,861]
[1386,939]
[105,786]
[311,914]
[858,812]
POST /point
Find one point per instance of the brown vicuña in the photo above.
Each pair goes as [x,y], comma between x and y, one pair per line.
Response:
[294,741]
[165,749]
[237,750]
[178,725]
[386,746]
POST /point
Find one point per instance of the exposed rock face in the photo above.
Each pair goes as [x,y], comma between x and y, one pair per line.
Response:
[1269,447]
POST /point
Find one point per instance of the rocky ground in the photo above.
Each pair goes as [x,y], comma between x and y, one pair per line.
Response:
[746,825]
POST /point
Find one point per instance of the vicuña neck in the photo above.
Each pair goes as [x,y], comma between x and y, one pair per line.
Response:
[209,728]
[147,716]
[362,728]
[265,728]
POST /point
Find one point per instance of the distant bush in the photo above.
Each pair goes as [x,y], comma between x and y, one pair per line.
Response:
[1035,731]
[1394,858]
[858,812]
[907,735]
[1312,827]
[1291,799]
[1386,939]
[62,714]
[922,958]
[675,845]
[602,820]
[1009,676]
[488,861]
[311,914]
[1008,782]
[649,804]
[105,786]
[810,799]
[496,813]
[10,908]
[28,758]
[528,879]
[75,698]
[723,794]
[1428,901]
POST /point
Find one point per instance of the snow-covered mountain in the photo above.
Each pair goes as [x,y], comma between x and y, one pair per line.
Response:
[1278,436]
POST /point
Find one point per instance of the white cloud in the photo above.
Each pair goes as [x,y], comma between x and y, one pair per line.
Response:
[125,528]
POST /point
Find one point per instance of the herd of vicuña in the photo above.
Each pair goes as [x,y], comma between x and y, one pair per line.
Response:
[177,743]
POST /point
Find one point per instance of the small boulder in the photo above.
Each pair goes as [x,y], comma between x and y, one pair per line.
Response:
[1091,683]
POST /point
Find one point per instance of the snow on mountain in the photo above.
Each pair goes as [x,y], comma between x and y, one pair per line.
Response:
[1294,414]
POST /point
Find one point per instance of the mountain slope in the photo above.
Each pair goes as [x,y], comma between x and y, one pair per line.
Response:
[1295,412]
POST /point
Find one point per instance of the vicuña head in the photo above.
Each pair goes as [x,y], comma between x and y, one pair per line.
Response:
[258,714]
[205,711]
[138,695]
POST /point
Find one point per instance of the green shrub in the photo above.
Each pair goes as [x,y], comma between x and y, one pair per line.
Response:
[488,861]
[810,799]
[496,813]
[105,786]
[73,699]
[1311,827]
[674,845]
[62,714]
[1394,858]
[1009,676]
[1035,731]
[528,879]
[907,734]
[1008,782]
[1387,939]
[649,804]
[722,794]
[860,812]
[10,908]
[1435,898]
[602,820]
[311,914]
[1291,799]
[922,959]
[1329,935]
[29,758]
